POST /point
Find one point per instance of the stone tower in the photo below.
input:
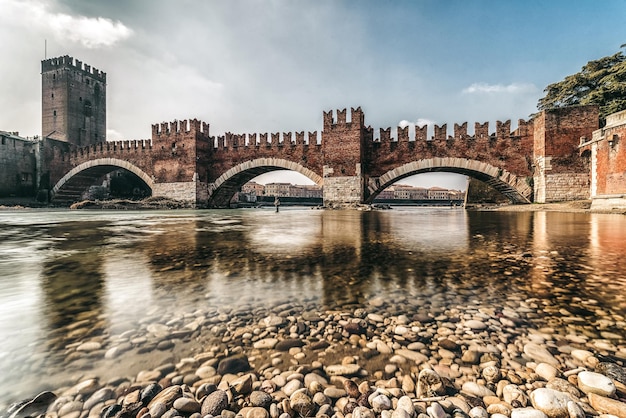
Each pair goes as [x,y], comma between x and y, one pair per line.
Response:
[73,101]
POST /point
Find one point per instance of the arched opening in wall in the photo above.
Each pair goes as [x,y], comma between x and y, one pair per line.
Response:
[100,182]
[425,189]
[289,187]
[516,189]
[255,183]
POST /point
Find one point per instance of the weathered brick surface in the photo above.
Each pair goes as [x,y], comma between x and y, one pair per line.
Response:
[17,166]
[346,159]
[73,97]
[609,166]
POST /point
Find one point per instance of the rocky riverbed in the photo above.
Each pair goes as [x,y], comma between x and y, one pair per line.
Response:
[384,358]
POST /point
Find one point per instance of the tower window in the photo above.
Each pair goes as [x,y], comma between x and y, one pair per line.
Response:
[54,113]
[87,111]
[87,81]
[80,99]
[52,95]
[54,76]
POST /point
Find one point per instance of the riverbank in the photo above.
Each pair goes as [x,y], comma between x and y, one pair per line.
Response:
[384,360]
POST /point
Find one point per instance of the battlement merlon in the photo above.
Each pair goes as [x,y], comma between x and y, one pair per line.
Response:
[178,127]
[357,119]
[67,61]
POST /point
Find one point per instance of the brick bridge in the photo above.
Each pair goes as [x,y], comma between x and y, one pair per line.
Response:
[538,161]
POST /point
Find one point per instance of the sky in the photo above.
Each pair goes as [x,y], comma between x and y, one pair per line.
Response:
[247,66]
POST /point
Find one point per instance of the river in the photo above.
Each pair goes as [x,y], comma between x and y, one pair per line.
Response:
[67,277]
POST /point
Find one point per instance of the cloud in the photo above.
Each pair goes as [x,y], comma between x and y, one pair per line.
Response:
[91,32]
[420,122]
[513,88]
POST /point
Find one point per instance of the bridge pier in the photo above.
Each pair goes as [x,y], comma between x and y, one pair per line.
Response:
[193,192]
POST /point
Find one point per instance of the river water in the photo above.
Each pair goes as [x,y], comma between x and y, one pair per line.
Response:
[67,277]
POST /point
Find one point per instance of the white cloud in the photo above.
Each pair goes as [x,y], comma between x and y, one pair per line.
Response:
[113,135]
[420,122]
[91,32]
[484,88]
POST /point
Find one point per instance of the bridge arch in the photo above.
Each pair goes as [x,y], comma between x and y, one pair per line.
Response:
[513,187]
[222,190]
[72,185]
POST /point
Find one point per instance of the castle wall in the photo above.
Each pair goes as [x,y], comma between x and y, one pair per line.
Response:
[607,152]
[18,166]
[558,164]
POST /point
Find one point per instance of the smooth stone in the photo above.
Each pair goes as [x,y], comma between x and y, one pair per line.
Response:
[478,412]
[292,386]
[233,365]
[527,413]
[436,411]
[289,343]
[471,357]
[214,403]
[401,413]
[70,407]
[186,405]
[512,393]
[257,412]
[550,402]
[148,376]
[157,409]
[475,324]
[362,412]
[591,382]
[473,388]
[260,399]
[415,356]
[539,354]
[491,374]
[405,403]
[546,371]
[114,352]
[89,346]
[334,392]
[381,403]
[343,369]
[607,406]
[98,396]
[563,385]
[266,343]
[575,410]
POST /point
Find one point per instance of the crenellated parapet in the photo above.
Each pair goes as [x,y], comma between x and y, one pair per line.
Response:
[166,130]
[357,119]
[69,62]
[117,149]
[460,132]
[232,142]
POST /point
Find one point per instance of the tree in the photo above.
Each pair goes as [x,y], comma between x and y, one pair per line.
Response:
[601,82]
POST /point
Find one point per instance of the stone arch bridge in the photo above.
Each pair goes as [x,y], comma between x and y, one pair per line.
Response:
[538,161]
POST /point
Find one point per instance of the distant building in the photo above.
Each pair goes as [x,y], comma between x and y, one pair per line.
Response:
[253,188]
[438,193]
[18,165]
[278,189]
[306,191]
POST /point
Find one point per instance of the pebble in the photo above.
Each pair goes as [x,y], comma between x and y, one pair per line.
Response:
[369,362]
[590,382]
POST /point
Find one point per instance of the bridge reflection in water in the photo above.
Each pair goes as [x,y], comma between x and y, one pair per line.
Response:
[97,274]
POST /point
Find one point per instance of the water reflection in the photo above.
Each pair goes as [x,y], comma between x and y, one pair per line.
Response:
[87,274]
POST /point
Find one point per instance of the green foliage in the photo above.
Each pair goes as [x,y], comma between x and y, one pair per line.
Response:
[601,82]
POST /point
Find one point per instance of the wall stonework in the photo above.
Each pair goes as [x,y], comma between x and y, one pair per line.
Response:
[18,165]
[347,160]
[190,191]
[566,187]
[557,134]
[606,149]
[343,190]
[73,101]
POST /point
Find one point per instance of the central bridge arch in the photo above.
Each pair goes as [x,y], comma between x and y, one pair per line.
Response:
[513,187]
[222,190]
[72,185]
